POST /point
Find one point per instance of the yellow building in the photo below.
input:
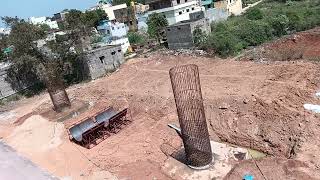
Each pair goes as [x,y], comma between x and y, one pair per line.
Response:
[232,6]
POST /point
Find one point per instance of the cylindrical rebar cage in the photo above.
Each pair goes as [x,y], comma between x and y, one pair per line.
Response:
[186,87]
[60,99]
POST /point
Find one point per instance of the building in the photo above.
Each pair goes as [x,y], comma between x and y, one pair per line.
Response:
[5,31]
[207,4]
[98,62]
[231,6]
[120,13]
[124,42]
[174,10]
[180,35]
[6,89]
[114,33]
[61,16]
[44,20]
[112,28]
[141,8]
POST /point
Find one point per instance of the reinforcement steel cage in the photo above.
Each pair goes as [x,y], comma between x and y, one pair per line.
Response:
[59,98]
[186,87]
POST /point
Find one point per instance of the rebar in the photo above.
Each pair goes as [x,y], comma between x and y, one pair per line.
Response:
[60,99]
[186,87]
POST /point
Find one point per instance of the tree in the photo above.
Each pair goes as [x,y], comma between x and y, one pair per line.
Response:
[199,37]
[30,64]
[156,26]
[3,45]
[45,27]
[9,21]
[80,26]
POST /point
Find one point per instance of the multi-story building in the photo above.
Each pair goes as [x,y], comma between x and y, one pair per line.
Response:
[44,20]
[112,28]
[174,10]
[120,13]
[114,33]
[231,6]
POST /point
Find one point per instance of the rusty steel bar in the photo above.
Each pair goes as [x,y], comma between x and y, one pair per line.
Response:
[186,87]
[59,98]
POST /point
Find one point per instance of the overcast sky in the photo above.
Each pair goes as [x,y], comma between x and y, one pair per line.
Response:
[28,8]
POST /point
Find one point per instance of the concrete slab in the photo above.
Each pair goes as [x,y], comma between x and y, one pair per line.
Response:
[15,167]
[225,156]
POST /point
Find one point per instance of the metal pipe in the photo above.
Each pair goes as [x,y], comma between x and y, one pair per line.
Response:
[186,87]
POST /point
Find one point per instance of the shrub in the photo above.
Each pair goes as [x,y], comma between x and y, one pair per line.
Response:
[295,21]
[279,24]
[254,14]
[253,33]
[224,43]
[136,38]
[199,37]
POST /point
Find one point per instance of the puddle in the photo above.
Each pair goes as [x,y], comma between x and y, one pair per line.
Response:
[256,154]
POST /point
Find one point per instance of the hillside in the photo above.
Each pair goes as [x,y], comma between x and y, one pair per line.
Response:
[267,21]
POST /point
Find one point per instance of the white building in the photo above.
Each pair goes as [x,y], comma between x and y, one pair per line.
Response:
[113,29]
[174,10]
[5,31]
[110,10]
[114,33]
[44,20]
[124,42]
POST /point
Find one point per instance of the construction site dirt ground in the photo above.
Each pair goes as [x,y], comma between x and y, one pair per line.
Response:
[258,105]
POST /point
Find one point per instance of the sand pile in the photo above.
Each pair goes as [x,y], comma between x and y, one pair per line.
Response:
[36,134]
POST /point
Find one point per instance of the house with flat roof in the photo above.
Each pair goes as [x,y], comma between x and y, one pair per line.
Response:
[231,6]
[44,20]
[120,13]
[174,10]
[180,35]
[101,60]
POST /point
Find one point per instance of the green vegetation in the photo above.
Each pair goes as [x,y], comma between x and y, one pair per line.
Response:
[156,26]
[45,27]
[254,14]
[136,38]
[268,20]
[58,61]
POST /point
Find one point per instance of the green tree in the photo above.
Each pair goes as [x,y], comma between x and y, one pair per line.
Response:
[31,64]
[80,26]
[45,27]
[156,26]
[199,37]
[9,21]
[3,45]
